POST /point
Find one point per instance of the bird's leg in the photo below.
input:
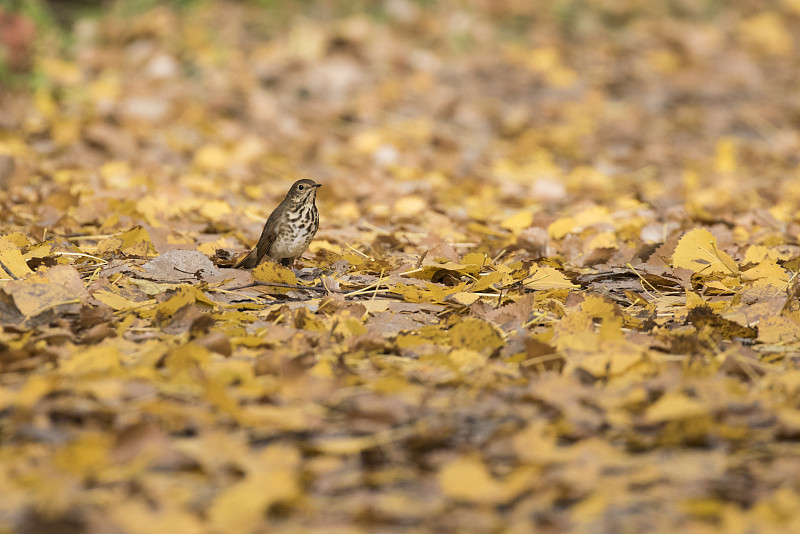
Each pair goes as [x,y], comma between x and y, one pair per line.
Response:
[289,262]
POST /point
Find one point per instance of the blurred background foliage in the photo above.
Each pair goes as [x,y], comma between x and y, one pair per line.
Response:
[52,23]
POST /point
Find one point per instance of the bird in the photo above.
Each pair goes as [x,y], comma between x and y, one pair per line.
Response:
[289,228]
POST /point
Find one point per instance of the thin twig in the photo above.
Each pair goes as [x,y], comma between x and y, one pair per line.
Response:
[237,293]
[359,252]
[81,237]
[365,289]
[293,286]
[82,255]
[323,289]
[421,258]
[642,279]
[366,310]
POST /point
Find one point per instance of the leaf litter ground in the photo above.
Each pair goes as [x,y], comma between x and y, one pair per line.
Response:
[554,288]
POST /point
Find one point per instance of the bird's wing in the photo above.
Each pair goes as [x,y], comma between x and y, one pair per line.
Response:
[261,249]
[268,235]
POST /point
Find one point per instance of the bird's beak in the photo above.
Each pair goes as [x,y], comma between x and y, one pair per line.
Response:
[316,186]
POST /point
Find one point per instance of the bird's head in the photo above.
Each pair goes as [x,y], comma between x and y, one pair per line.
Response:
[303,191]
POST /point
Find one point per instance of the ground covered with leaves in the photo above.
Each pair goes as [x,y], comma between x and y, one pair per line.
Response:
[554,287]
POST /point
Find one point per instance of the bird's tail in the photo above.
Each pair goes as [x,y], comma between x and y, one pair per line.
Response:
[247,262]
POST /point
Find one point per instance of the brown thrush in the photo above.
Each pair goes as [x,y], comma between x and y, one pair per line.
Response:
[289,228]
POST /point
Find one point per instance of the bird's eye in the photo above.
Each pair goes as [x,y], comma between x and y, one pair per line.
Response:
[300,187]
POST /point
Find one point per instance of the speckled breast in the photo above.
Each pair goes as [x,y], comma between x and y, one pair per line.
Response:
[294,236]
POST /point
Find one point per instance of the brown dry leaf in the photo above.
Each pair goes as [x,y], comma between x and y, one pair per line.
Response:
[180,265]
[55,289]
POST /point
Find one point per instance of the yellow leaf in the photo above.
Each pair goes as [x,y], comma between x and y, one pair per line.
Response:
[283,418]
[350,326]
[269,271]
[306,320]
[215,209]
[558,229]
[133,242]
[467,479]
[767,33]
[675,406]
[495,279]
[467,360]
[697,251]
[345,211]
[693,300]
[543,59]
[149,287]
[347,446]
[664,60]
[518,222]
[596,306]
[476,334]
[61,71]
[65,131]
[561,77]
[139,518]
[547,278]
[767,273]
[35,387]
[725,156]
[116,301]
[537,443]
[430,271]
[15,239]
[86,455]
[44,103]
[602,240]
[211,158]
[248,149]
[241,507]
[116,173]
[593,214]
[789,418]
[367,141]
[703,507]
[217,393]
[586,342]
[186,358]
[97,359]
[463,298]
[433,293]
[12,262]
[778,329]
[183,296]
[410,206]
[431,334]
[611,359]
[476,258]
